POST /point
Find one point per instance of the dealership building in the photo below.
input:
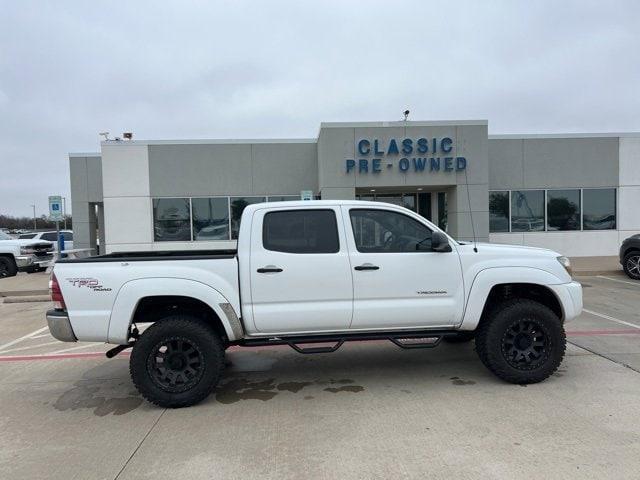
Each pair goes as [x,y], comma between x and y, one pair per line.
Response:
[578,194]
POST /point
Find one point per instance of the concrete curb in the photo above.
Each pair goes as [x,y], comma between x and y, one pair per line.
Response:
[23,293]
[27,299]
[593,273]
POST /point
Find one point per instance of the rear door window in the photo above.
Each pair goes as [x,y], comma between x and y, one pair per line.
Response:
[301,231]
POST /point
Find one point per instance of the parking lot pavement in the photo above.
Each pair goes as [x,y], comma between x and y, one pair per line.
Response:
[369,410]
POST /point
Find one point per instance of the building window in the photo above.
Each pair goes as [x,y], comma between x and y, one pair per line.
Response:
[171,219]
[599,209]
[442,211]
[238,204]
[282,198]
[527,211]
[498,212]
[385,231]
[301,231]
[210,218]
[563,209]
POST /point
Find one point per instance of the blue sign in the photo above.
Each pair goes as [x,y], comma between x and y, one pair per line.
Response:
[407,155]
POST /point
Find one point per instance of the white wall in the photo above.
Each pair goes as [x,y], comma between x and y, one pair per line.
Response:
[127,202]
[571,244]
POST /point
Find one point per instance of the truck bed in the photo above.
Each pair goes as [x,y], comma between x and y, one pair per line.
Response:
[154,256]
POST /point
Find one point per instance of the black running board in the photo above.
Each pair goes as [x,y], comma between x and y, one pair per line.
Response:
[405,339]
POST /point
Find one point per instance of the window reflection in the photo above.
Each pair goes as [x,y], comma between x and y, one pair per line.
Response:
[210,218]
[238,204]
[527,211]
[599,209]
[498,212]
[171,219]
[563,209]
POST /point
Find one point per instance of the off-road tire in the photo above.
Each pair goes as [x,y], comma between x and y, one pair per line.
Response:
[206,350]
[460,337]
[629,265]
[8,267]
[494,335]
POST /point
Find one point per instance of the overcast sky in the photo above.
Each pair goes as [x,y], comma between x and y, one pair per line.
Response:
[207,69]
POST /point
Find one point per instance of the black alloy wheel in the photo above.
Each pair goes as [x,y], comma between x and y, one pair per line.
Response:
[175,364]
[177,361]
[632,265]
[525,344]
[521,341]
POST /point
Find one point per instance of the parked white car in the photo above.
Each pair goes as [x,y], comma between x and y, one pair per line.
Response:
[24,255]
[50,236]
[317,272]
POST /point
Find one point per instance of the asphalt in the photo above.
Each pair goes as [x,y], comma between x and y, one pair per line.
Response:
[370,410]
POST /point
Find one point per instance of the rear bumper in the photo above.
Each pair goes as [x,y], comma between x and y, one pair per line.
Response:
[60,326]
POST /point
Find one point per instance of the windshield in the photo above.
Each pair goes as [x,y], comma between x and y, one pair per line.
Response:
[25,236]
[4,236]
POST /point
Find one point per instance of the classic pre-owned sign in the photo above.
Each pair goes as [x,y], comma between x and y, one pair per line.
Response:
[408,155]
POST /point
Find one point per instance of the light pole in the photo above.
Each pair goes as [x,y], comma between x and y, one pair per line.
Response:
[34,216]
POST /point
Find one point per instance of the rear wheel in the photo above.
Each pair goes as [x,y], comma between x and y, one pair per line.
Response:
[521,341]
[631,265]
[177,361]
[8,267]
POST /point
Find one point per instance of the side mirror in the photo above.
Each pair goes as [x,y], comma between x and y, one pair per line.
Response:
[439,242]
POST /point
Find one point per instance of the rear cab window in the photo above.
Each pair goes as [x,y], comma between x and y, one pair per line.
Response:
[301,231]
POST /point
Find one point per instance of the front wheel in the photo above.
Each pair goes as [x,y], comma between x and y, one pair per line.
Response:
[521,341]
[631,265]
[177,361]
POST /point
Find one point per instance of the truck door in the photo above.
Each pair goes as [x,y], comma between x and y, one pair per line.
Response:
[300,273]
[398,281]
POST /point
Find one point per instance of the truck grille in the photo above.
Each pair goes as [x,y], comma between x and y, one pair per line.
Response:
[43,250]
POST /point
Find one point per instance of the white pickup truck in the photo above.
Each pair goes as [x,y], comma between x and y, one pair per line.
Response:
[314,275]
[20,255]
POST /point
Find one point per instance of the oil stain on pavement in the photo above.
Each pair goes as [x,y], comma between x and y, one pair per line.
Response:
[238,388]
[84,394]
[459,381]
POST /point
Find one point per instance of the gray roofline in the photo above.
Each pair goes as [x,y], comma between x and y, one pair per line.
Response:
[217,141]
[84,154]
[401,123]
[516,136]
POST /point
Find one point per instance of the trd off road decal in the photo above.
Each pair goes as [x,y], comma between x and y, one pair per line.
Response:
[91,283]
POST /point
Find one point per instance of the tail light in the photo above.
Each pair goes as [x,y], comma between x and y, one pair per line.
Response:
[56,293]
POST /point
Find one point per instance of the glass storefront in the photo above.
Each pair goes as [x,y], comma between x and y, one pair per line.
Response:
[420,202]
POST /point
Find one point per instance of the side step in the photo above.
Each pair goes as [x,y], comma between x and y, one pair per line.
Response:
[406,340]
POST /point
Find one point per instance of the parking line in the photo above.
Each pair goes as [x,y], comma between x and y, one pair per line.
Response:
[74,348]
[19,349]
[61,356]
[619,281]
[24,337]
[592,333]
[613,319]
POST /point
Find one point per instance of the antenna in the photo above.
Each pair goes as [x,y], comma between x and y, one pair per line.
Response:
[473,227]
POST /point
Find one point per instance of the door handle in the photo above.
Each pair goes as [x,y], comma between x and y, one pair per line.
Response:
[367,266]
[269,269]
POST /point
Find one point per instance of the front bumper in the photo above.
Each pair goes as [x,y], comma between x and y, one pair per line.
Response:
[60,326]
[28,262]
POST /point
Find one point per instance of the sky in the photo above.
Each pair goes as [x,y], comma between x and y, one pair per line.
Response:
[276,69]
